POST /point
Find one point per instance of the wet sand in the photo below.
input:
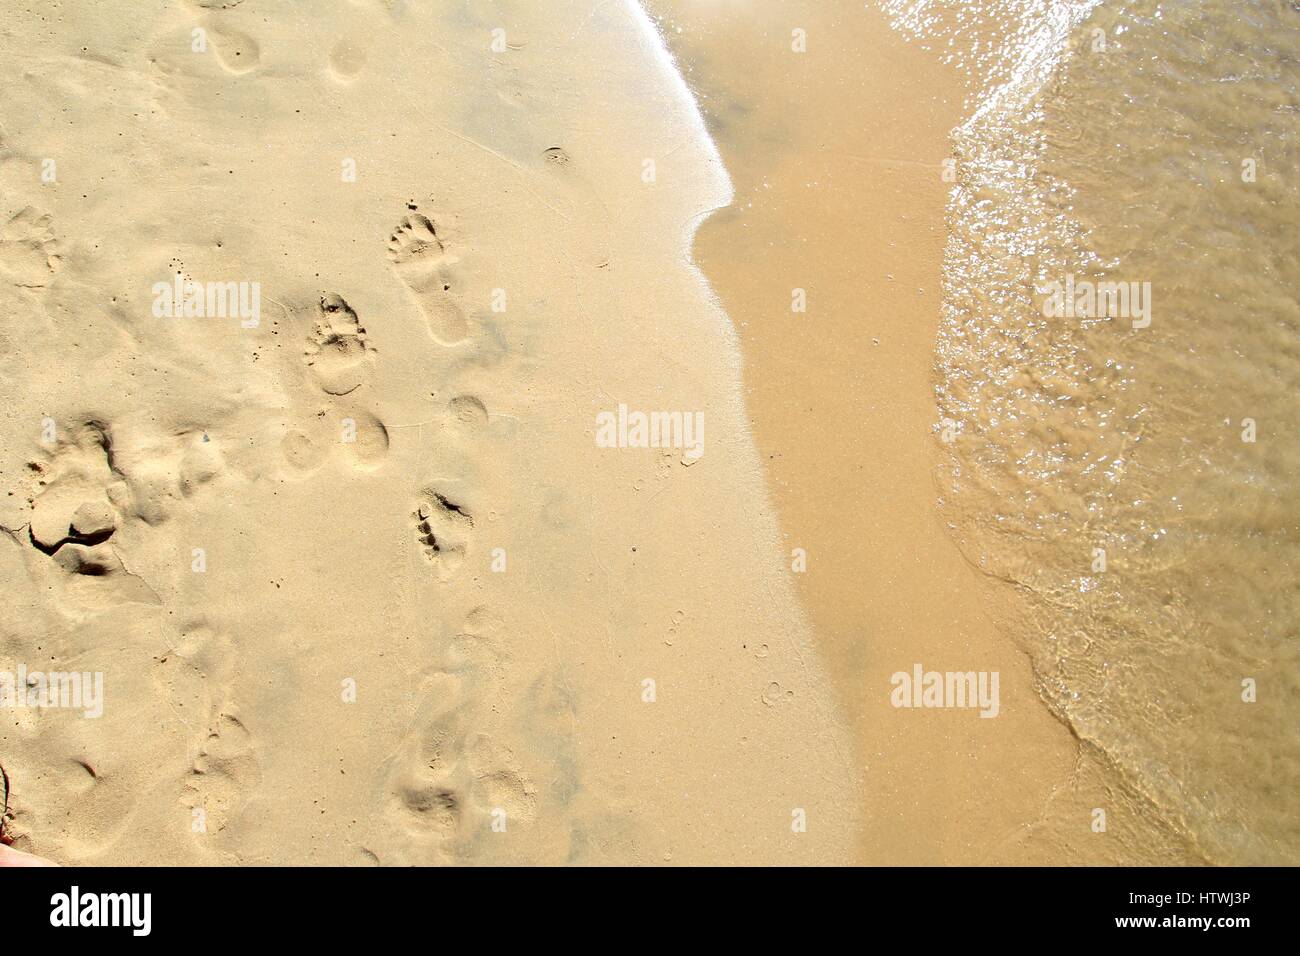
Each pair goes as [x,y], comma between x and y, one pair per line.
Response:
[836,154]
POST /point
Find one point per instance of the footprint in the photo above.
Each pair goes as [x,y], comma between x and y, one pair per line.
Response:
[443,528]
[455,790]
[499,784]
[306,443]
[368,444]
[29,255]
[341,359]
[72,516]
[91,523]
[303,453]
[426,782]
[224,773]
[471,413]
[236,51]
[420,260]
[97,480]
[435,808]
[415,238]
[557,156]
[338,352]
[449,785]
[773,694]
[196,663]
[483,622]
[346,60]
[509,793]
[475,653]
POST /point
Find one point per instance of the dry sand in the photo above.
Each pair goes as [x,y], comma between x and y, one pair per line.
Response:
[277,543]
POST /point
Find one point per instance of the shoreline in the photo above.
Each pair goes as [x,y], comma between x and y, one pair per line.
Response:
[848,384]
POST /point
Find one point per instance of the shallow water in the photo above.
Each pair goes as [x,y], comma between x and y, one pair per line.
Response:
[1135,483]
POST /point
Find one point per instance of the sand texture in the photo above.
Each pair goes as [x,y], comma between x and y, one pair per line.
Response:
[361,585]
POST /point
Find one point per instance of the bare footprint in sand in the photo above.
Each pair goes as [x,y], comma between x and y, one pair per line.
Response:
[341,359]
[426,793]
[224,774]
[74,517]
[337,350]
[29,255]
[363,437]
[303,449]
[443,528]
[195,666]
[452,787]
[469,412]
[366,440]
[499,784]
[420,259]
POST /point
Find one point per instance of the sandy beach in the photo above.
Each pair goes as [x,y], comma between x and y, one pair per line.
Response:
[362,585]
[445,433]
[843,196]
